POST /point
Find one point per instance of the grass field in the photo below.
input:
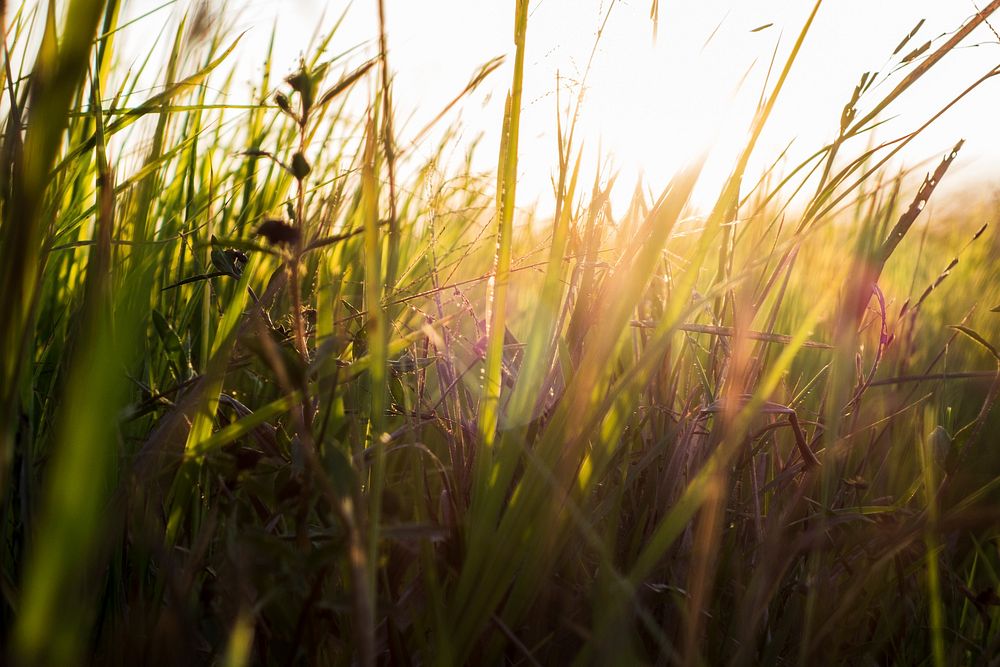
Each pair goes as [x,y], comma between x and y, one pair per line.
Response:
[283,384]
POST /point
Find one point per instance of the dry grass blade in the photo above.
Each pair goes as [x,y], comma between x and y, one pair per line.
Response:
[729,332]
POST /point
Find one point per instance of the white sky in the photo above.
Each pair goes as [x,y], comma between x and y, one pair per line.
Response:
[650,105]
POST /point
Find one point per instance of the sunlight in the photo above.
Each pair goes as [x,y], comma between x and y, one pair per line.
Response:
[650,106]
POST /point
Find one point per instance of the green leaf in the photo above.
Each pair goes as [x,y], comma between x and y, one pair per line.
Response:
[171,341]
[223,264]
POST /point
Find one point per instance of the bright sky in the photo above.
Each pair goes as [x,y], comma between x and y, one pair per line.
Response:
[653,105]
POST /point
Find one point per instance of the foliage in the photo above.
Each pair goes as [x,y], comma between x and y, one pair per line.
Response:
[283,391]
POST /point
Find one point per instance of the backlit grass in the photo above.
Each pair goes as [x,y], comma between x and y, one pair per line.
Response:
[280,388]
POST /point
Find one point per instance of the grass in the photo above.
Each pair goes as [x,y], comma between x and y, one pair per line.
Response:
[279,388]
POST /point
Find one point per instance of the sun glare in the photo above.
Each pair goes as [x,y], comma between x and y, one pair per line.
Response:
[650,105]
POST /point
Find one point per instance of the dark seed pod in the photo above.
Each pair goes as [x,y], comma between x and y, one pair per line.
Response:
[278,232]
[300,166]
[282,101]
[299,81]
[302,83]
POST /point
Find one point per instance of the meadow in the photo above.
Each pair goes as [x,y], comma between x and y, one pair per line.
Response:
[282,384]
